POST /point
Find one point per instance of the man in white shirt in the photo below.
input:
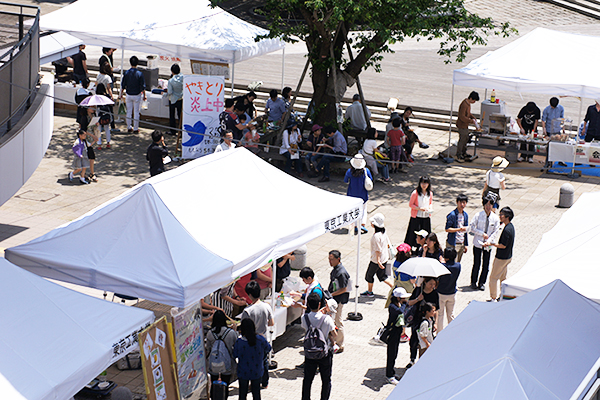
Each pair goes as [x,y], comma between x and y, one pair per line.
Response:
[227,143]
[325,324]
[356,114]
[484,227]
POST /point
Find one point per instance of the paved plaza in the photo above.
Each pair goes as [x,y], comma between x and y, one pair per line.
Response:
[48,200]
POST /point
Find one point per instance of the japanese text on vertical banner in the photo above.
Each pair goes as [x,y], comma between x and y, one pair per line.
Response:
[189,348]
[203,101]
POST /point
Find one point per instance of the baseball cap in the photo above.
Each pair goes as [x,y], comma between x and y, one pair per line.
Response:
[422,232]
[400,292]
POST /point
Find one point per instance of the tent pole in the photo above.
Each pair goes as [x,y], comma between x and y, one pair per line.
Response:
[122,72]
[450,123]
[232,76]
[283,68]
[356,316]
[274,327]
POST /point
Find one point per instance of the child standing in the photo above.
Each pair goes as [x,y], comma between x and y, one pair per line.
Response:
[495,180]
[426,327]
[396,311]
[81,161]
[397,140]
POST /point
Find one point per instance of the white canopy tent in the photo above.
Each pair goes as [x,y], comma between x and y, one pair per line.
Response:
[188,29]
[539,346]
[182,234]
[567,252]
[57,45]
[513,68]
[53,340]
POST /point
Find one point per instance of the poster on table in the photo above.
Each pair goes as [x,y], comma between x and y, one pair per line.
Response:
[594,155]
[189,349]
[158,361]
[203,101]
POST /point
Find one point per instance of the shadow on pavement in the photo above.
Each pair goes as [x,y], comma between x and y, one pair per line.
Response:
[375,378]
[7,231]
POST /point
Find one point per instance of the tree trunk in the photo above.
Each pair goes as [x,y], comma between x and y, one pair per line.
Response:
[324,110]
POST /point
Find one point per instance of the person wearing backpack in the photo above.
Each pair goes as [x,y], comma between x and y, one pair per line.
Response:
[219,350]
[426,293]
[250,351]
[320,333]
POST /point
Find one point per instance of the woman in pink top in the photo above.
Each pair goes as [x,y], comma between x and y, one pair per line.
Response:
[421,207]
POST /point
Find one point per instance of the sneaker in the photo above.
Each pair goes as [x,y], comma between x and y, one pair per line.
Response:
[492,300]
[83,181]
[474,286]
[108,145]
[355,231]
[404,338]
[530,160]
[460,159]
[481,287]
[71,176]
[99,148]
[520,159]
[376,342]
[363,230]
[130,130]
[423,145]
[367,294]
[392,380]
[410,364]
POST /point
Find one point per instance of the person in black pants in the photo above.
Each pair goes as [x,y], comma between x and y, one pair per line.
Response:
[398,303]
[426,293]
[484,225]
[528,120]
[175,93]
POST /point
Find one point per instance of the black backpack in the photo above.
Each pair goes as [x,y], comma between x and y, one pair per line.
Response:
[104,115]
[316,345]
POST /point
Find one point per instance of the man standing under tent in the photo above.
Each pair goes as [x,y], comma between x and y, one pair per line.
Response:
[551,117]
[261,314]
[339,289]
[79,63]
[527,120]
[592,118]
[134,86]
[465,118]
[503,252]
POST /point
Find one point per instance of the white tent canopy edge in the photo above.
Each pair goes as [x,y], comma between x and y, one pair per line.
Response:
[53,340]
[178,236]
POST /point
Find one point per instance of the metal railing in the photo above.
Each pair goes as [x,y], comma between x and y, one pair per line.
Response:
[19,65]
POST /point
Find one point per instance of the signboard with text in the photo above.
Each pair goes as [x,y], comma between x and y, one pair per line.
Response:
[203,101]
[158,361]
[189,348]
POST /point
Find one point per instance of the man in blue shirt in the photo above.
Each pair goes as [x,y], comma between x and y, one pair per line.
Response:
[337,145]
[456,226]
[135,87]
[275,107]
[551,118]
[591,131]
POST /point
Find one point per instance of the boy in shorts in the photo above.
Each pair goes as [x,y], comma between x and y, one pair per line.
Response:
[397,140]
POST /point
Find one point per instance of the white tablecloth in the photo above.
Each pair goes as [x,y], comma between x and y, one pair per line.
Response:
[284,316]
[583,153]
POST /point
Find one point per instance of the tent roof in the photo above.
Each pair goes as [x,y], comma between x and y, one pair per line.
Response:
[182,234]
[57,45]
[512,67]
[567,252]
[189,29]
[511,350]
[53,340]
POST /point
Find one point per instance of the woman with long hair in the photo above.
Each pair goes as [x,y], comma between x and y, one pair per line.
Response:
[356,178]
[250,350]
[432,248]
[426,293]
[421,207]
[220,331]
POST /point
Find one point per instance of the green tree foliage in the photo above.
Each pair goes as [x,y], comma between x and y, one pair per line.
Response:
[370,26]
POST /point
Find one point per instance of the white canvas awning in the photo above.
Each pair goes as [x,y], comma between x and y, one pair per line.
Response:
[58,45]
[567,252]
[542,61]
[53,340]
[182,234]
[188,29]
[541,346]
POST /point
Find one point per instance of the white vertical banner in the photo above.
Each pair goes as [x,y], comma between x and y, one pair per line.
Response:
[203,101]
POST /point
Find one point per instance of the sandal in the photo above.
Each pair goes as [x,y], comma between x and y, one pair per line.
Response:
[93,178]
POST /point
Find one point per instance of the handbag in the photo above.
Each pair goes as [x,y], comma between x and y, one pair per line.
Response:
[122,108]
[368,182]
[78,149]
[384,334]
[391,250]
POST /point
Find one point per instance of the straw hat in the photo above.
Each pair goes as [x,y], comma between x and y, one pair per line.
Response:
[358,162]
[499,163]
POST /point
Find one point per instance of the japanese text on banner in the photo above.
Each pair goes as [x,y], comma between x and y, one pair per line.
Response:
[203,101]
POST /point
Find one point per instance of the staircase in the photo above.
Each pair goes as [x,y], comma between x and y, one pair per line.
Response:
[590,8]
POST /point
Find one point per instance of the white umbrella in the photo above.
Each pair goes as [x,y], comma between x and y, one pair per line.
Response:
[423,266]
[96,100]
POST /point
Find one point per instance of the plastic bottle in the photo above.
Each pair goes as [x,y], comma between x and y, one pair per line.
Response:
[493,98]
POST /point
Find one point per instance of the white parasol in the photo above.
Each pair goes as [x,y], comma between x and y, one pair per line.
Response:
[423,266]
